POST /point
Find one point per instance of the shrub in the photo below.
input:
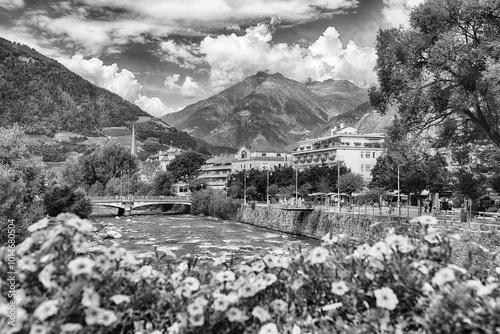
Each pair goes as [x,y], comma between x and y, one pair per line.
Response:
[400,284]
[62,198]
[212,203]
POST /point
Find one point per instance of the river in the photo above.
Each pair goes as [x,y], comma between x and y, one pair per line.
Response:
[205,237]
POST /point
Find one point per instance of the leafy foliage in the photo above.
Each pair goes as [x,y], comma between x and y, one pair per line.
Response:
[186,165]
[444,67]
[60,199]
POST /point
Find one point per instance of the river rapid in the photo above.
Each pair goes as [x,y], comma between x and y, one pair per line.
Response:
[204,237]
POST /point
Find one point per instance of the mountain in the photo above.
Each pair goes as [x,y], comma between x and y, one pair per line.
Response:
[46,98]
[267,109]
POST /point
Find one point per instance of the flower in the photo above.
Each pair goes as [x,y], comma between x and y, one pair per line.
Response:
[81,225]
[118,299]
[80,266]
[24,246]
[261,314]
[244,269]
[399,242]
[362,251]
[248,290]
[221,304]
[27,263]
[225,276]
[279,306]
[46,309]
[297,284]
[113,253]
[45,276]
[103,262]
[333,306]
[258,266]
[270,260]
[220,260]
[339,288]
[191,283]
[269,328]
[79,243]
[90,298]
[39,329]
[197,320]
[236,315]
[282,262]
[443,275]
[143,272]
[425,220]
[386,298]
[318,255]
[106,317]
[195,308]
[92,316]
[235,285]
[43,223]
[380,250]
[71,327]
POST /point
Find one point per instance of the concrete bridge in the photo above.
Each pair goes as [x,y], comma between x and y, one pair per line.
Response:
[126,204]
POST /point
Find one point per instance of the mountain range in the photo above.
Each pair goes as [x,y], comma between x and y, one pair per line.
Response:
[274,112]
[45,98]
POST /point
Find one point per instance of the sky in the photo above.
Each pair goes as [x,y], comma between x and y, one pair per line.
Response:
[163,55]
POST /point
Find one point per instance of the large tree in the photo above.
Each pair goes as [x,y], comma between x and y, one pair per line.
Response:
[444,67]
[186,165]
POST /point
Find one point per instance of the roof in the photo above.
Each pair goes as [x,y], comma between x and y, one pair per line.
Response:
[226,159]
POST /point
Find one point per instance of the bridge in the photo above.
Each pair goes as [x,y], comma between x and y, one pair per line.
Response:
[126,204]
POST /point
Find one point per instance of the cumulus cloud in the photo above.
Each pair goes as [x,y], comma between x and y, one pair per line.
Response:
[188,89]
[397,12]
[11,4]
[232,58]
[153,105]
[119,81]
[183,55]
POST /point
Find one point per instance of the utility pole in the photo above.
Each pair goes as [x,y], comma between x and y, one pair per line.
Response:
[296,185]
[399,200]
[267,187]
[245,186]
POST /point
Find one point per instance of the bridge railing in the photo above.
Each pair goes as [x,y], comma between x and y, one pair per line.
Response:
[139,198]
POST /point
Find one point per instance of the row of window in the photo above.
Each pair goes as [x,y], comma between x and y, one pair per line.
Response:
[366,168]
[367,154]
[244,155]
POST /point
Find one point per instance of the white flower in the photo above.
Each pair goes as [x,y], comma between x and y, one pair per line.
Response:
[261,314]
[279,306]
[333,306]
[71,327]
[24,246]
[195,308]
[43,223]
[103,262]
[220,260]
[399,242]
[45,276]
[269,328]
[244,269]
[318,255]
[258,266]
[191,283]
[118,299]
[113,253]
[327,239]
[143,272]
[225,276]
[362,251]
[221,304]
[79,243]
[27,263]
[427,289]
[282,262]
[339,288]
[90,298]
[81,225]
[386,298]
[270,260]
[236,315]
[106,317]
[443,275]
[380,250]
[46,309]
[248,290]
[80,266]
[425,220]
[91,316]
[235,285]
[196,320]
[39,329]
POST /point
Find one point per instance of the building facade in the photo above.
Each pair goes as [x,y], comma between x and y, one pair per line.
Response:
[165,157]
[216,171]
[258,158]
[359,152]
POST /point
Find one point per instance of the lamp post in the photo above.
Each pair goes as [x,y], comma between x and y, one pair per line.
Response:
[399,196]
[339,159]
[296,185]
[267,192]
[245,186]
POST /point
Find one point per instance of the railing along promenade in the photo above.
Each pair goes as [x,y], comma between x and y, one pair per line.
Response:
[125,204]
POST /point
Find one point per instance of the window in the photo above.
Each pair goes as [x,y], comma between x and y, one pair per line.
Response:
[263,154]
[243,154]
[278,155]
[367,154]
[368,168]
[362,154]
[374,154]
[362,167]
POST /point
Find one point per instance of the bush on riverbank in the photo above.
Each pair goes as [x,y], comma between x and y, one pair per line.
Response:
[213,203]
[398,284]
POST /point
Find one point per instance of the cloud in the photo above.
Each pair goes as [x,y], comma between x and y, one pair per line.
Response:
[397,12]
[119,81]
[12,4]
[232,58]
[184,55]
[153,105]
[188,89]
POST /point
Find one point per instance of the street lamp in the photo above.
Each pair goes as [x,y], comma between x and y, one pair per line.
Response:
[267,186]
[339,159]
[245,186]
[296,185]
[399,196]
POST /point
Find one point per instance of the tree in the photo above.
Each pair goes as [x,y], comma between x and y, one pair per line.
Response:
[467,184]
[444,67]
[162,184]
[350,183]
[187,164]
[62,198]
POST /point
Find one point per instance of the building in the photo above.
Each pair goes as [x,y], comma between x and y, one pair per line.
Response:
[359,152]
[165,157]
[258,158]
[216,170]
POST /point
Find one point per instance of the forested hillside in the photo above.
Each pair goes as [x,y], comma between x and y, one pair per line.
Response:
[44,97]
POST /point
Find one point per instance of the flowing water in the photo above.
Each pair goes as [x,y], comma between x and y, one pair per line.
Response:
[187,234]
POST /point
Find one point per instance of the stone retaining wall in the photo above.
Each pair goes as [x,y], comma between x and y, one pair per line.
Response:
[313,224]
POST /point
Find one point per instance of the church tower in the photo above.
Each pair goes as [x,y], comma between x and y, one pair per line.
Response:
[133,147]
